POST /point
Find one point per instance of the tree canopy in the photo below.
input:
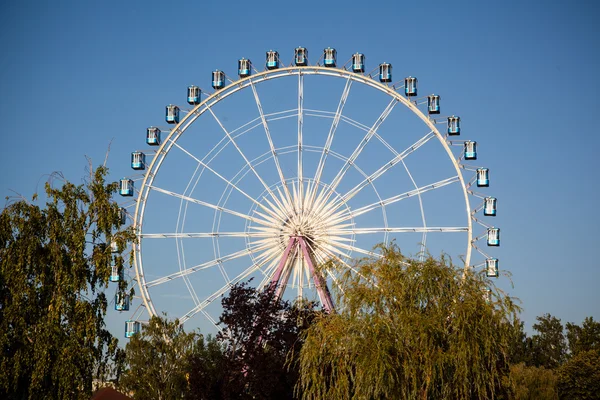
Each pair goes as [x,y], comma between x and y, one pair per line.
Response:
[410,329]
[55,264]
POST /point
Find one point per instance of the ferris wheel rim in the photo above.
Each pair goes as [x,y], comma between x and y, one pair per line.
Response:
[179,129]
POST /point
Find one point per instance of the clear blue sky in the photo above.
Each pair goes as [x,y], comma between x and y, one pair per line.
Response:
[523,76]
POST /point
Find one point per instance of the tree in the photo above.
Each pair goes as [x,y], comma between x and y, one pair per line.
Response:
[533,383]
[410,329]
[579,378]
[549,345]
[585,337]
[157,360]
[207,370]
[260,336]
[54,266]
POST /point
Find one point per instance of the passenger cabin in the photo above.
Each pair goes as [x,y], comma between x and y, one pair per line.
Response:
[272,59]
[193,95]
[123,215]
[131,328]
[491,267]
[483,177]
[329,57]
[138,160]
[493,237]
[172,114]
[489,206]
[115,275]
[453,126]
[126,187]
[121,302]
[114,247]
[301,57]
[218,79]
[358,63]
[385,72]
[244,68]
[410,86]
[433,104]
[153,136]
[470,148]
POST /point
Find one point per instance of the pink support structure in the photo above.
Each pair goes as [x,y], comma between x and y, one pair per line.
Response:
[298,243]
[322,289]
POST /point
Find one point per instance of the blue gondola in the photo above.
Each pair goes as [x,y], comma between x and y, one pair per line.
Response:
[123,215]
[272,59]
[126,187]
[193,95]
[122,302]
[218,79]
[358,63]
[410,86]
[453,126]
[329,57]
[153,136]
[493,237]
[491,267]
[115,274]
[483,177]
[138,160]
[131,328]
[487,296]
[114,247]
[244,68]
[172,114]
[470,150]
[489,206]
[301,56]
[433,104]
[385,72]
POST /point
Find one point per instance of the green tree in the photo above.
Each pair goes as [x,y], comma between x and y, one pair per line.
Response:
[208,368]
[410,329]
[579,378]
[533,383]
[157,360]
[54,266]
[549,344]
[585,337]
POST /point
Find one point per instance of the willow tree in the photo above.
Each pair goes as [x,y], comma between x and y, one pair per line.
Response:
[55,264]
[410,329]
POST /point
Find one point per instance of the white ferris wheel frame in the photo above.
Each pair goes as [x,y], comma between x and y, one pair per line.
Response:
[190,117]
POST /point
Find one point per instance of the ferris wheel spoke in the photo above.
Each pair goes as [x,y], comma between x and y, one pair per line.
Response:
[362,231]
[206,265]
[346,215]
[206,166]
[330,135]
[270,140]
[181,235]
[247,272]
[300,123]
[209,205]
[248,163]
[365,140]
[377,174]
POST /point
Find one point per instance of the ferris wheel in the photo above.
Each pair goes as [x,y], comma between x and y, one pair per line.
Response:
[277,172]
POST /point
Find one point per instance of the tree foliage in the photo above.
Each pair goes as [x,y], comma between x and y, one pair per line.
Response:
[260,334]
[410,329]
[549,344]
[579,378]
[157,360]
[533,383]
[54,266]
[585,337]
